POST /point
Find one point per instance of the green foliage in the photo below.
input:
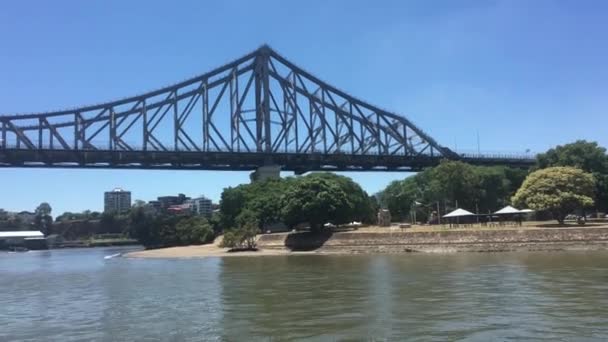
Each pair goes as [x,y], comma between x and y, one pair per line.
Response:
[232,202]
[43,209]
[316,200]
[267,202]
[193,230]
[262,198]
[172,230]
[85,215]
[456,182]
[399,197]
[587,156]
[240,238]
[44,220]
[559,190]
[112,223]
[451,184]
[360,207]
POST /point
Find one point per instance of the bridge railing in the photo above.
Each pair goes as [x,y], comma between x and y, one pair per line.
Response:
[503,156]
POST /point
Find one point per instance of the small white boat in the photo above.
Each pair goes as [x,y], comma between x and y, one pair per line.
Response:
[111,256]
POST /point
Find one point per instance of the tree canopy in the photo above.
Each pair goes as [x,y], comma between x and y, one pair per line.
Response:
[587,156]
[560,190]
[333,198]
[451,184]
[316,200]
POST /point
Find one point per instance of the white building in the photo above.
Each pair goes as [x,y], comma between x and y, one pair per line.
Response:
[117,201]
[201,206]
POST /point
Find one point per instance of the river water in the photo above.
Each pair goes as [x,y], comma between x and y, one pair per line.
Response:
[77,295]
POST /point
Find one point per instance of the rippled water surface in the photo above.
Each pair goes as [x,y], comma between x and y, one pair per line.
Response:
[77,295]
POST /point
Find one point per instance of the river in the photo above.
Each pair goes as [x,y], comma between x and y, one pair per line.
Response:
[77,295]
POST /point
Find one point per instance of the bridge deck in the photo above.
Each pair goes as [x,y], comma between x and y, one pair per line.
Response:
[188,160]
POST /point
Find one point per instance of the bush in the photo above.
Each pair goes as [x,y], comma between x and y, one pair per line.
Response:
[242,237]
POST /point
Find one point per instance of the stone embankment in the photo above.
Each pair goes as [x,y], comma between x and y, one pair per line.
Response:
[397,241]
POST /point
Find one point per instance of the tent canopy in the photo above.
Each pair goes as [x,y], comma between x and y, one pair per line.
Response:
[526,211]
[458,213]
[508,210]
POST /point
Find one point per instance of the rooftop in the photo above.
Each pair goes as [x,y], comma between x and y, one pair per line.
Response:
[21,234]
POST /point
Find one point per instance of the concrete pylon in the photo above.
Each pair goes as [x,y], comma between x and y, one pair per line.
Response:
[265,172]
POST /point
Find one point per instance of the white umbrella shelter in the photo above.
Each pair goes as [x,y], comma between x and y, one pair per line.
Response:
[511,212]
[508,210]
[458,213]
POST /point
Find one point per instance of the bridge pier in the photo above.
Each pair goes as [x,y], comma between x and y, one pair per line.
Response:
[265,172]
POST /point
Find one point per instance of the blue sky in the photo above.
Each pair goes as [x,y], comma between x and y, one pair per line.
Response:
[524,74]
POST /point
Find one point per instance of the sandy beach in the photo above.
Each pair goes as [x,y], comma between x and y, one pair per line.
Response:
[209,250]
[387,240]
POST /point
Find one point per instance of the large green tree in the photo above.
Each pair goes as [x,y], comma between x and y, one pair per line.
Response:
[361,204]
[262,198]
[455,182]
[316,200]
[399,197]
[193,230]
[44,220]
[587,156]
[559,190]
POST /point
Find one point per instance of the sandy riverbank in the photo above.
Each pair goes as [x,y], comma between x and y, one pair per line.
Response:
[401,241]
[201,251]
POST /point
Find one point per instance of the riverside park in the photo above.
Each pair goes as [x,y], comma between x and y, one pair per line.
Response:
[303,171]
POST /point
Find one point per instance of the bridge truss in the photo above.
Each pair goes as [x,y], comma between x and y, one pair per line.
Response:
[258,110]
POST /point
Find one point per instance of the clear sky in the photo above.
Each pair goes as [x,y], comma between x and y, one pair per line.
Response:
[524,74]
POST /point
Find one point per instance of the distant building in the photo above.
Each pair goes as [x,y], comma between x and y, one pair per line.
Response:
[164,202]
[183,208]
[27,239]
[117,201]
[201,206]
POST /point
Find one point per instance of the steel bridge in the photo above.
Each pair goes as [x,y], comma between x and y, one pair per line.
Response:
[258,110]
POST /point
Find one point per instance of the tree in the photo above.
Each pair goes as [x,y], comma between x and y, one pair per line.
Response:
[362,208]
[263,198]
[455,182]
[399,198]
[193,230]
[138,203]
[587,156]
[44,209]
[44,220]
[582,154]
[559,190]
[317,201]
[244,236]
[233,200]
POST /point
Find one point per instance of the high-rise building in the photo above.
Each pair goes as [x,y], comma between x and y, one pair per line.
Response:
[117,201]
[201,206]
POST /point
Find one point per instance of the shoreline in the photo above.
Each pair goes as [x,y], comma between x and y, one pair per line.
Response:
[397,241]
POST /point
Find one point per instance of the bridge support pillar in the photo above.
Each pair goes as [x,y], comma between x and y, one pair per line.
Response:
[265,172]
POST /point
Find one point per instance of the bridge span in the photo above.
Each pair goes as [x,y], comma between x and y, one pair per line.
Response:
[258,110]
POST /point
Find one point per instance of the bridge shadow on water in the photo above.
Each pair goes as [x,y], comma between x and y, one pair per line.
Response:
[307,241]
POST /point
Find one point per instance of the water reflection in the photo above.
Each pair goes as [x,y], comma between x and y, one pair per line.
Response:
[77,295]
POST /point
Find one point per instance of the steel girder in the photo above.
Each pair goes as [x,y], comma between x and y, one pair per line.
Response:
[258,104]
